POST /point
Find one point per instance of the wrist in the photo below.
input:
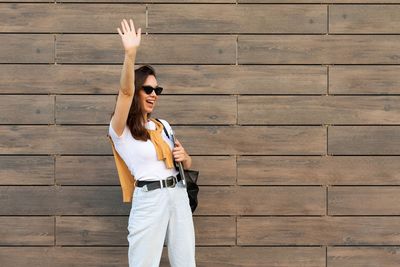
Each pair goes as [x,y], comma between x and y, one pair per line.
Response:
[130,53]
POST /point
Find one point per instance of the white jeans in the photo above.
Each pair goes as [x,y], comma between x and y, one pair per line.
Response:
[157,217]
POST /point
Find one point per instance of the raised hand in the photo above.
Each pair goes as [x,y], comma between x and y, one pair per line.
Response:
[130,39]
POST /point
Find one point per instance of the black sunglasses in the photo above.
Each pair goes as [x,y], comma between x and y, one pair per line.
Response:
[148,89]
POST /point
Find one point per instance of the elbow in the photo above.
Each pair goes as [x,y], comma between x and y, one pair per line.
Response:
[127,91]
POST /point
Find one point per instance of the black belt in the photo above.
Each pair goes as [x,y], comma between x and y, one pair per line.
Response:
[171,181]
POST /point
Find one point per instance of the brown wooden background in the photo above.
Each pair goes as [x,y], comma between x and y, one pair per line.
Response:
[290,109]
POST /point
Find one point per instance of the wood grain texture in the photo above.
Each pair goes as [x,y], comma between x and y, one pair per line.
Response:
[160,48]
[325,230]
[318,49]
[363,256]
[112,231]
[319,110]
[32,109]
[318,170]
[206,140]
[368,79]
[368,19]
[69,18]
[179,79]
[255,200]
[200,18]
[27,231]
[106,200]
[364,140]
[153,1]
[371,200]
[320,1]
[205,256]
[27,48]
[73,109]
[64,200]
[101,170]
[254,140]
[26,170]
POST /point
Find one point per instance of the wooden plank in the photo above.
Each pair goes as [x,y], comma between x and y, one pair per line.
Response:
[86,170]
[101,170]
[112,231]
[107,200]
[34,1]
[320,1]
[209,140]
[195,18]
[54,139]
[316,170]
[38,48]
[163,49]
[321,231]
[71,18]
[243,79]
[73,109]
[364,80]
[176,79]
[91,109]
[352,200]
[83,18]
[363,256]
[152,1]
[364,140]
[64,256]
[272,140]
[255,200]
[32,109]
[26,170]
[14,200]
[26,231]
[91,231]
[64,200]
[60,79]
[318,110]
[260,256]
[370,19]
[318,49]
[205,256]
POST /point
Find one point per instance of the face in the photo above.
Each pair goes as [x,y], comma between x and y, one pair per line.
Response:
[148,107]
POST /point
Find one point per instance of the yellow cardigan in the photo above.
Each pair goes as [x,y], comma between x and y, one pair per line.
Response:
[126,179]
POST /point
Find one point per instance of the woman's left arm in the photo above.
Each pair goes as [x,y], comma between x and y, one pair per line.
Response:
[188,162]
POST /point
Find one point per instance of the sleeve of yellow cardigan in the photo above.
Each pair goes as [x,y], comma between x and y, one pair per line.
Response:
[126,179]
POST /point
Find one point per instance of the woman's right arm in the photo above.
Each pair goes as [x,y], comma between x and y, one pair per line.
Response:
[131,42]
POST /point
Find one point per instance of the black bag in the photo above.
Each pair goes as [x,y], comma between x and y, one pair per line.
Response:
[190,177]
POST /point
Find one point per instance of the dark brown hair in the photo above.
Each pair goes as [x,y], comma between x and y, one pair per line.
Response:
[135,119]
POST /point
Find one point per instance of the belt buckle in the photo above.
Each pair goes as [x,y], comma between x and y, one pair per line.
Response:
[173,181]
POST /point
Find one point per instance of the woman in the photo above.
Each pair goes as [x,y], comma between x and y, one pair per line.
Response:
[160,212]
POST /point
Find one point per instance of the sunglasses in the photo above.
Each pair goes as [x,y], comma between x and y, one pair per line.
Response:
[148,89]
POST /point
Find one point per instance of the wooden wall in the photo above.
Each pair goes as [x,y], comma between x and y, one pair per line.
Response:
[290,109]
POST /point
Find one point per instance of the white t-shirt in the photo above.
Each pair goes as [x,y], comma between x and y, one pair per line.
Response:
[140,156]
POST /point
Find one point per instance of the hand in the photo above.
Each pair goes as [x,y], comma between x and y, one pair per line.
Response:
[130,39]
[179,152]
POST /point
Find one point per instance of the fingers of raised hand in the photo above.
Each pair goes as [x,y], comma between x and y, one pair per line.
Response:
[127,28]
[132,26]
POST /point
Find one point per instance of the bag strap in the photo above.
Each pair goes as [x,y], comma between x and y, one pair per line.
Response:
[166,132]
